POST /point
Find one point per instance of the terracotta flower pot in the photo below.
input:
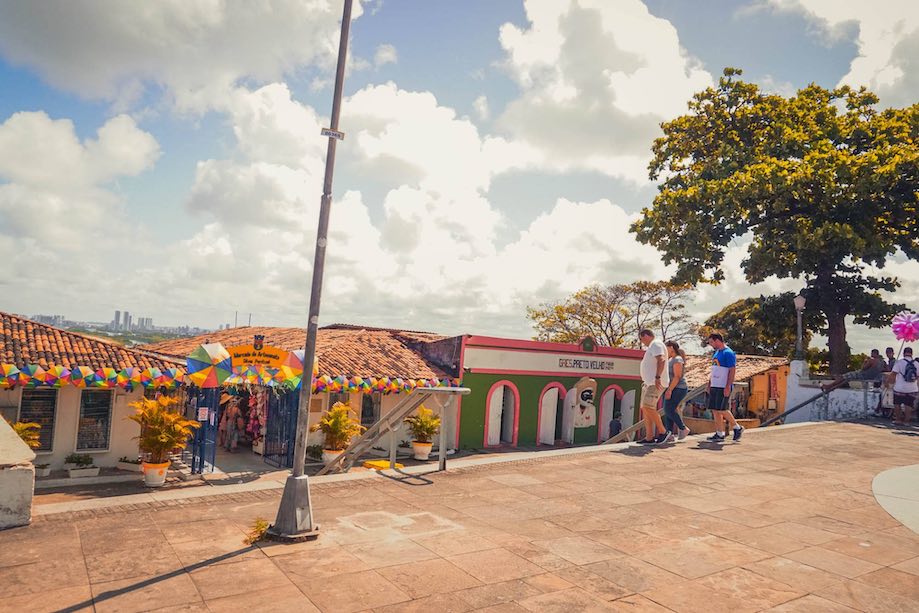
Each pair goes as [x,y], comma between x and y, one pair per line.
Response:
[421,450]
[155,474]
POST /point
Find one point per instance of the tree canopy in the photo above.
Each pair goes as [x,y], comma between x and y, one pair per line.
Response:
[822,184]
[613,315]
[762,326]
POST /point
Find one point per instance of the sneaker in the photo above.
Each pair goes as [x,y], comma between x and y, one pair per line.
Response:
[738,432]
[716,438]
[653,441]
[683,434]
[665,438]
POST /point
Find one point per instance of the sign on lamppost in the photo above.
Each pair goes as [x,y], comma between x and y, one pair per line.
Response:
[294,520]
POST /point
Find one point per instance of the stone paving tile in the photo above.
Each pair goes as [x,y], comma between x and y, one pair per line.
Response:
[281,598]
[497,593]
[145,593]
[811,604]
[238,578]
[795,574]
[574,599]
[38,577]
[735,590]
[439,603]
[863,597]
[636,603]
[597,586]
[124,564]
[893,580]
[833,561]
[392,553]
[349,592]
[697,557]
[548,582]
[633,574]
[782,538]
[578,549]
[909,566]
[78,599]
[873,547]
[419,579]
[495,565]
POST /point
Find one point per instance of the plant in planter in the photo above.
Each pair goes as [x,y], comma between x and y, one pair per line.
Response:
[133,465]
[42,470]
[162,430]
[80,465]
[423,425]
[338,428]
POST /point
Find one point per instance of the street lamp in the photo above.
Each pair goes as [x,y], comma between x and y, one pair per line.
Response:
[295,515]
[799,347]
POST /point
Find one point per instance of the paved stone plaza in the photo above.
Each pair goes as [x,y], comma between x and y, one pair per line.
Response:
[784,521]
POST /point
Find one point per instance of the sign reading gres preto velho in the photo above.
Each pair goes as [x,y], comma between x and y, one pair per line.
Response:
[587,364]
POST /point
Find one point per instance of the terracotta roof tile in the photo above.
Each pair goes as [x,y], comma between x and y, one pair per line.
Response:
[699,367]
[24,342]
[342,350]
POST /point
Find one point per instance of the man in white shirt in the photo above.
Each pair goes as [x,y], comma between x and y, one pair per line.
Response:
[905,388]
[654,379]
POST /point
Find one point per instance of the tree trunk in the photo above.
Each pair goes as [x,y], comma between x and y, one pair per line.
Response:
[839,348]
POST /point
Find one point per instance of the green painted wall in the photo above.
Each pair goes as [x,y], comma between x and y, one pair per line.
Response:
[472,417]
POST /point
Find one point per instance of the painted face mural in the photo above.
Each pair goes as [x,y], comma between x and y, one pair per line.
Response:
[585,413]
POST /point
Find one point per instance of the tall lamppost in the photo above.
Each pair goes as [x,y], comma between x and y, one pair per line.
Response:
[295,515]
[799,307]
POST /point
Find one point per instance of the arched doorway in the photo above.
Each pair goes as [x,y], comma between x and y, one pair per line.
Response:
[502,414]
[551,406]
[627,407]
[608,411]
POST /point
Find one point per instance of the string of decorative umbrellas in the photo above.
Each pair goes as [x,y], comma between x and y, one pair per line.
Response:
[209,366]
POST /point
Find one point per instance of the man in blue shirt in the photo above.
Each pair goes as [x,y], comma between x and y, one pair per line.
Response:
[724,366]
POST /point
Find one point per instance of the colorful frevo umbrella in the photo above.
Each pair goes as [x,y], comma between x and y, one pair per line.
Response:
[209,365]
[9,375]
[291,371]
[82,376]
[148,375]
[57,376]
[105,378]
[32,375]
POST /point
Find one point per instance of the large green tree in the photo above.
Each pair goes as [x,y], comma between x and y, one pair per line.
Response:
[613,315]
[822,184]
[766,325]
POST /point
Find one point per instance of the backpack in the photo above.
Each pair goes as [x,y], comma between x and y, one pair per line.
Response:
[909,373]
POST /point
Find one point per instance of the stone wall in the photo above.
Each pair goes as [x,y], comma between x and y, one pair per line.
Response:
[17,479]
[840,404]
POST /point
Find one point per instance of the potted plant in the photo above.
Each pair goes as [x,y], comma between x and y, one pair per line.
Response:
[338,428]
[80,465]
[162,429]
[42,470]
[423,425]
[126,463]
[28,432]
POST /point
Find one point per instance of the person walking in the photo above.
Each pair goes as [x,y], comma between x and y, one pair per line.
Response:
[905,388]
[891,358]
[676,390]
[654,379]
[720,385]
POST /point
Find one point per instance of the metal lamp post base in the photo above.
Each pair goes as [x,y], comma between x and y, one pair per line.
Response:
[294,522]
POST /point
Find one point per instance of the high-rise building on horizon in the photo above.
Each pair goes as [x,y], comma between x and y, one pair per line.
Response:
[127,321]
[116,323]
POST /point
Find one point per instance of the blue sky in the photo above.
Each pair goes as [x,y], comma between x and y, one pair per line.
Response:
[170,162]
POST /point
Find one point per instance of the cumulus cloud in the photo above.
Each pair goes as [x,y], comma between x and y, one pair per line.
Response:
[480,105]
[195,49]
[596,79]
[888,42]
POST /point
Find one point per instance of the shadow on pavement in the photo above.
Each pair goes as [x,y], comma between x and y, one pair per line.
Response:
[154,580]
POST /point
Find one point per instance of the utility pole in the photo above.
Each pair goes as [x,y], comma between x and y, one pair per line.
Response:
[295,515]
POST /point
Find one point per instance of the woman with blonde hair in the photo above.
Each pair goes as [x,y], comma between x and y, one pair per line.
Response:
[676,390]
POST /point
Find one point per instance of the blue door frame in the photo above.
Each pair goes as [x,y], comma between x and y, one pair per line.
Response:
[204,405]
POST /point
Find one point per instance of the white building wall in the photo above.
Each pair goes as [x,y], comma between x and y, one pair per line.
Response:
[67,417]
[842,403]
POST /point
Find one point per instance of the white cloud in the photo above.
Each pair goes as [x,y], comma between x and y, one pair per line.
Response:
[480,105]
[597,78]
[888,42]
[195,49]
[385,54]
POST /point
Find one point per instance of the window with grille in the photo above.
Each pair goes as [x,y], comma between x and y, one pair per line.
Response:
[95,420]
[39,406]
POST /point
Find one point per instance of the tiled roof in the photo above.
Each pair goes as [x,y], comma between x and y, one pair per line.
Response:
[699,367]
[24,342]
[342,350]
